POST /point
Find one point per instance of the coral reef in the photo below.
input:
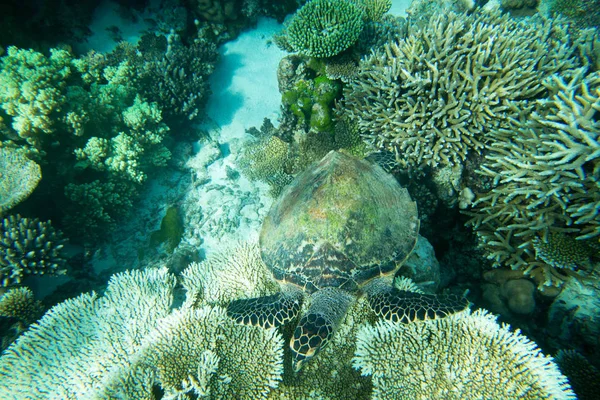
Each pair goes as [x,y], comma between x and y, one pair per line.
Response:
[324,28]
[445,358]
[19,176]
[439,94]
[101,122]
[29,247]
[541,214]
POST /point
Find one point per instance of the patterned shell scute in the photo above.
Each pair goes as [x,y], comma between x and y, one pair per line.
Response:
[339,224]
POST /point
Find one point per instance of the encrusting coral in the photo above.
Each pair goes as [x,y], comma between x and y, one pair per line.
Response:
[541,214]
[466,355]
[29,247]
[19,176]
[442,92]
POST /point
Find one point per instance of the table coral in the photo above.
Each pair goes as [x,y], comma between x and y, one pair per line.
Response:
[324,28]
[19,176]
[121,344]
[466,355]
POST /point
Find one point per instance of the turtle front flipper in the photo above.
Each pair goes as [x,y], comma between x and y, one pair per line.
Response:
[268,311]
[325,313]
[404,306]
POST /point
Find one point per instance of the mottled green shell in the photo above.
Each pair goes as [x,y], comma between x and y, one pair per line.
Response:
[340,223]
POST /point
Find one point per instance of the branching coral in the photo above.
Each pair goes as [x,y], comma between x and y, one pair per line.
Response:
[29,247]
[546,192]
[324,28]
[466,355]
[19,176]
[444,90]
[179,80]
[32,90]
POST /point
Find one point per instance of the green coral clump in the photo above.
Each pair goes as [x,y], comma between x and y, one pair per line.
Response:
[546,190]
[324,28]
[466,355]
[19,176]
[311,102]
[132,151]
[29,247]
[443,91]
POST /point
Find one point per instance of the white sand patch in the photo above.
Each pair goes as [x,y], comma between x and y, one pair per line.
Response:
[244,84]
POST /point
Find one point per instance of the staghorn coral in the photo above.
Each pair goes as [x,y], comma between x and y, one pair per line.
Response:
[19,176]
[443,91]
[324,28]
[447,358]
[546,189]
[29,247]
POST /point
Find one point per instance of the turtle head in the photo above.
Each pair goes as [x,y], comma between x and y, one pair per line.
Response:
[312,333]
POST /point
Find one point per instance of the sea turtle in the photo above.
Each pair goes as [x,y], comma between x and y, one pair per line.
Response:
[339,230]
